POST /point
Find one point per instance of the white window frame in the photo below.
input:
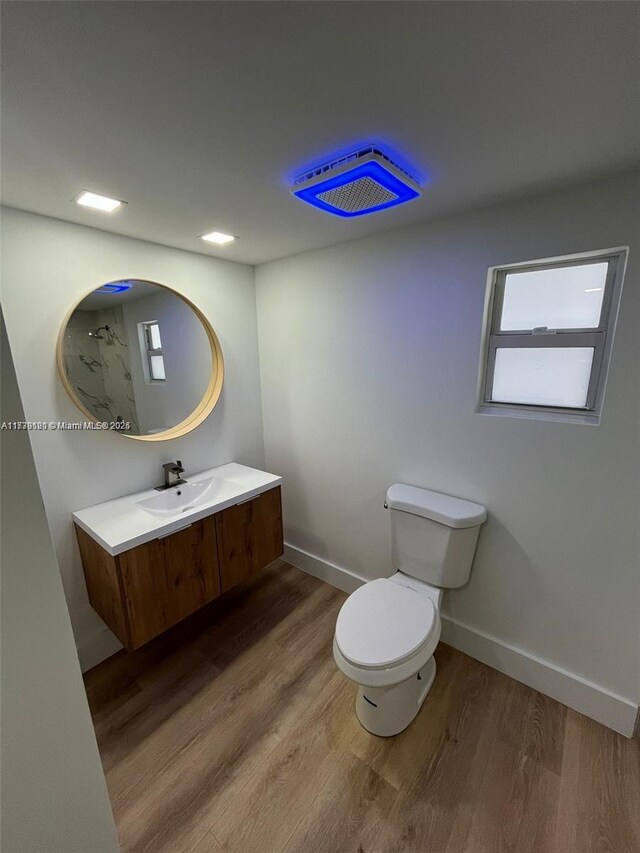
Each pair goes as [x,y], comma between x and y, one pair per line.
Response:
[600,338]
[148,351]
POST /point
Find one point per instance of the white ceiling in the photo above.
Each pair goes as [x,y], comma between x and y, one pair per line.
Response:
[139,290]
[198,114]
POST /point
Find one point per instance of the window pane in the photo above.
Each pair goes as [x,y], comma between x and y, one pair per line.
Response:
[542,376]
[557,297]
[157,367]
[154,334]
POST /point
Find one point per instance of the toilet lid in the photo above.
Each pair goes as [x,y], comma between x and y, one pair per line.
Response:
[382,623]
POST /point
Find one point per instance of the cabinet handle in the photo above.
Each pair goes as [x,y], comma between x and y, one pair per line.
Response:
[177,530]
[246,500]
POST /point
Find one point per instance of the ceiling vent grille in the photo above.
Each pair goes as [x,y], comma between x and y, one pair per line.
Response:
[364,181]
[361,194]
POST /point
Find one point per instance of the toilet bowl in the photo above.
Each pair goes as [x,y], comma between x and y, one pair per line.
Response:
[388,629]
[385,637]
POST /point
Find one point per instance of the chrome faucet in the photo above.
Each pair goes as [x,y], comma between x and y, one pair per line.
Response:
[172,471]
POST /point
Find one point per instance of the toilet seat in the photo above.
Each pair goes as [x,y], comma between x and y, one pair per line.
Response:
[383,624]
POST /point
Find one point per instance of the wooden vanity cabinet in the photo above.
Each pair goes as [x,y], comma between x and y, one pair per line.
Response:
[169,578]
[142,592]
[249,537]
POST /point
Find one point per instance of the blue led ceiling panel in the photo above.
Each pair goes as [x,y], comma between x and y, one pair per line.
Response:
[364,181]
[115,287]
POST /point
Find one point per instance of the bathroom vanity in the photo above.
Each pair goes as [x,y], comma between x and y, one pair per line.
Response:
[153,558]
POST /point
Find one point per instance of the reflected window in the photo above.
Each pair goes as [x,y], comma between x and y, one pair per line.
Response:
[152,355]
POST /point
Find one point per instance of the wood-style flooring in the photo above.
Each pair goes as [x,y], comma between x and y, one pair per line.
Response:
[235,733]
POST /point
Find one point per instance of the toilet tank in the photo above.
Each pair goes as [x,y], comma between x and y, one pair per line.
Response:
[433,536]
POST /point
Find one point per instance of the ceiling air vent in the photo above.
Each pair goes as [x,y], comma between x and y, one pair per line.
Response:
[364,181]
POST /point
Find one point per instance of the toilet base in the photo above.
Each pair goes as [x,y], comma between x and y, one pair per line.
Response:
[386,711]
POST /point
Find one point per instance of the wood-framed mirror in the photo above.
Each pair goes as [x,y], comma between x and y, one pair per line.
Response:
[140,359]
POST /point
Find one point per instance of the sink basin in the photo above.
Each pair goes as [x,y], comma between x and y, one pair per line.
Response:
[181,498]
[124,523]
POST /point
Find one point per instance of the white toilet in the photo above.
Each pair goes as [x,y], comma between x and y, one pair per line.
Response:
[388,629]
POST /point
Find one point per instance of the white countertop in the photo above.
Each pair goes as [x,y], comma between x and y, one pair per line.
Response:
[121,524]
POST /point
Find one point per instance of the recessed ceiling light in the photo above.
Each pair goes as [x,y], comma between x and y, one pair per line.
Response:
[98,202]
[218,237]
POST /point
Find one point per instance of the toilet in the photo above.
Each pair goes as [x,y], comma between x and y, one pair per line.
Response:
[388,629]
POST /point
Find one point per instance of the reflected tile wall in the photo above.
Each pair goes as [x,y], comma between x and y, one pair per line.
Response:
[115,356]
[100,370]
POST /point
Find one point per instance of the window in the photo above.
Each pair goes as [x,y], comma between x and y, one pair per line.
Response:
[154,371]
[548,334]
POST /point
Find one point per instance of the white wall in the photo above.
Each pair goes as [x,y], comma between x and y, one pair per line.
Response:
[369,357]
[54,796]
[187,358]
[46,266]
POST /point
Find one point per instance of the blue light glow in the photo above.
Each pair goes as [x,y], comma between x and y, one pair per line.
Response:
[115,287]
[373,170]
[397,156]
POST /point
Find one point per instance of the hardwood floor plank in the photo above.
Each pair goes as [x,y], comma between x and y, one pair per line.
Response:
[207,844]
[424,818]
[212,747]
[566,814]
[400,759]
[512,806]
[359,796]
[599,808]
[290,779]
[514,781]
[234,732]
[126,727]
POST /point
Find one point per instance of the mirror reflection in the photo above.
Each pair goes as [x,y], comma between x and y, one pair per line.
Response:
[137,354]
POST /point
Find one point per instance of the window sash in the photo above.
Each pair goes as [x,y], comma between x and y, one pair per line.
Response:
[148,339]
[596,340]
[152,371]
[500,281]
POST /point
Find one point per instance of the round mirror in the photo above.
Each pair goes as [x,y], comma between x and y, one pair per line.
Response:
[139,359]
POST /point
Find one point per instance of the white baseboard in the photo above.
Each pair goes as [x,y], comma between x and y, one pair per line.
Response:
[584,696]
[99,648]
[341,578]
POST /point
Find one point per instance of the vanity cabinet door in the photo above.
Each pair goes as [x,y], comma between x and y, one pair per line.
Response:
[249,537]
[167,579]
[103,585]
